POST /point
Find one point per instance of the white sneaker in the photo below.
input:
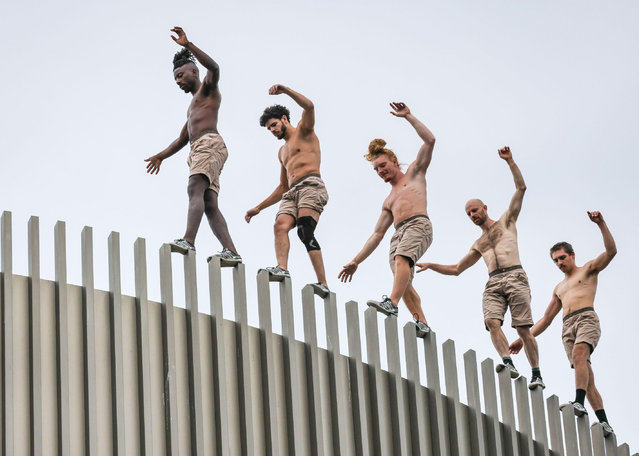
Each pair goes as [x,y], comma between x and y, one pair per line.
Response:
[227,257]
[578,407]
[181,246]
[514,373]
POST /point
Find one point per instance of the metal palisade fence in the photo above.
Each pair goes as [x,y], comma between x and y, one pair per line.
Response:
[94,372]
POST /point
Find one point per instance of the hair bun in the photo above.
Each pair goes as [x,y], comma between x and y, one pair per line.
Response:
[376,146]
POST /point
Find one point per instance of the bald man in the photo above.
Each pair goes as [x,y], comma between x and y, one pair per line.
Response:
[507,285]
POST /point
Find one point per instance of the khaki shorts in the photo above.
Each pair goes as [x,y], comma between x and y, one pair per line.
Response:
[208,155]
[581,326]
[411,239]
[309,192]
[508,289]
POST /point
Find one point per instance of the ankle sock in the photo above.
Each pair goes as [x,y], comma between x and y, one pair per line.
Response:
[508,360]
[536,372]
[601,415]
[581,396]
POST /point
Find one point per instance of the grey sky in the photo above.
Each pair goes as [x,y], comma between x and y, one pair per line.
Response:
[87,94]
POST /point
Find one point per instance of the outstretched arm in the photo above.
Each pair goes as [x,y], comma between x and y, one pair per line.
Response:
[520,185]
[154,162]
[308,115]
[425,153]
[213,69]
[272,198]
[549,315]
[603,260]
[383,223]
[452,269]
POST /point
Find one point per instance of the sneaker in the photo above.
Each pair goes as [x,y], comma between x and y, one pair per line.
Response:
[227,258]
[321,290]
[536,381]
[384,306]
[422,329]
[276,271]
[181,246]
[514,373]
[578,407]
[607,429]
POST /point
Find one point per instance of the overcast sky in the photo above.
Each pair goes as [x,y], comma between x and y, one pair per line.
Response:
[87,93]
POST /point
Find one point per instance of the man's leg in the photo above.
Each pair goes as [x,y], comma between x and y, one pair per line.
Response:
[414,303]
[314,254]
[580,354]
[217,221]
[283,224]
[497,336]
[400,279]
[530,346]
[592,393]
[198,184]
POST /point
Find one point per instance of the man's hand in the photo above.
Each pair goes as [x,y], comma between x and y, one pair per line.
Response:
[251,213]
[181,39]
[153,167]
[422,266]
[505,153]
[276,89]
[516,346]
[346,274]
[400,109]
[596,216]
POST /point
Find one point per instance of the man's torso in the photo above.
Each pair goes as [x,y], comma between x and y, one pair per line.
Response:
[577,291]
[202,113]
[498,246]
[408,197]
[301,155]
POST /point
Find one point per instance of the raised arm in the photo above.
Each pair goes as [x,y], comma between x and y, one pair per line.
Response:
[520,185]
[452,269]
[154,162]
[383,223]
[272,198]
[213,69]
[603,260]
[308,115]
[425,153]
[549,315]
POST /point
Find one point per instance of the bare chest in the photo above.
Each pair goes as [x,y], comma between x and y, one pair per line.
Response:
[580,285]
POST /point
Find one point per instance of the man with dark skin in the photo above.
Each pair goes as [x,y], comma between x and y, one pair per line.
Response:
[208,151]
[507,286]
[301,190]
[581,331]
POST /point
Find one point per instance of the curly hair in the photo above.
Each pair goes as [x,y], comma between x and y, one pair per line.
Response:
[274,112]
[182,58]
[376,148]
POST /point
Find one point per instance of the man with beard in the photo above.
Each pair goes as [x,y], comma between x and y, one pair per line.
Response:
[208,151]
[301,190]
[507,285]
[581,331]
[405,207]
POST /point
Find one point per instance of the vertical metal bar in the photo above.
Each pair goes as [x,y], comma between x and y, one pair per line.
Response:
[193,354]
[117,352]
[35,337]
[399,412]
[223,443]
[583,428]
[493,431]
[7,334]
[508,411]
[623,450]
[523,416]
[611,445]
[554,425]
[88,337]
[362,413]
[539,419]
[460,428]
[478,440]
[316,421]
[420,424]
[168,342]
[62,338]
[441,443]
[243,354]
[598,446]
[269,386]
[570,431]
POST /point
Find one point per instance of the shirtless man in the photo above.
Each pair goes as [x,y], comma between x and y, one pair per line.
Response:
[507,285]
[208,151]
[581,331]
[405,207]
[301,188]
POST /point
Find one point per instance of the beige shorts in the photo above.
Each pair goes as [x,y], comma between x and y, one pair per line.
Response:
[309,192]
[411,239]
[508,289]
[208,155]
[581,326]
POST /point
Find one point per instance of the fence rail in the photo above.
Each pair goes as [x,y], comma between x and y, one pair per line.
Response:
[94,372]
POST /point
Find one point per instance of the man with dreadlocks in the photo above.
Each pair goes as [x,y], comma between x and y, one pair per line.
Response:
[301,188]
[405,207]
[208,151]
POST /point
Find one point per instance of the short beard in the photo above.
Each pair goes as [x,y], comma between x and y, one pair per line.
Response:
[281,136]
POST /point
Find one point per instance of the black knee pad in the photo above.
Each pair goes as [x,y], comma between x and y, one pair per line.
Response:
[305,230]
